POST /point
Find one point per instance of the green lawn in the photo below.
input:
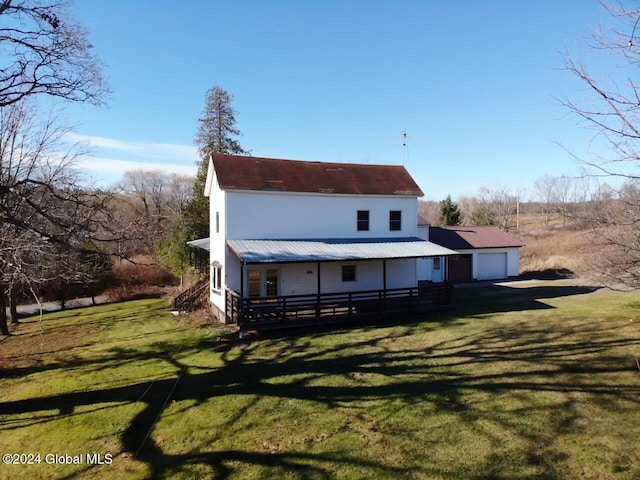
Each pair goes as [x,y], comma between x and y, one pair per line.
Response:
[514,383]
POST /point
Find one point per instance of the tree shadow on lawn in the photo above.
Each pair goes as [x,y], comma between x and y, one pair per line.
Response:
[466,302]
[494,298]
[442,374]
[65,333]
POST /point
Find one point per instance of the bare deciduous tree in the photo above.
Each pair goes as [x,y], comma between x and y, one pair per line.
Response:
[545,191]
[156,202]
[611,110]
[500,203]
[45,211]
[429,211]
[42,51]
[558,195]
[468,205]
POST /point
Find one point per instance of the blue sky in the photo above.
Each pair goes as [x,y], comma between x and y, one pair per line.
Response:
[474,84]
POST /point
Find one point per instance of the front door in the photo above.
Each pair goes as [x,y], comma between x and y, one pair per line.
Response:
[255,283]
[436,269]
[263,283]
[271,283]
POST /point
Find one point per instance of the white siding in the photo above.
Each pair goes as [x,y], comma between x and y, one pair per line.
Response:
[217,245]
[368,276]
[277,215]
[401,273]
[423,270]
[513,262]
[299,278]
[232,271]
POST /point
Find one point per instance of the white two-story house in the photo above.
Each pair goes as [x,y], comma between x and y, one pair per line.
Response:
[284,230]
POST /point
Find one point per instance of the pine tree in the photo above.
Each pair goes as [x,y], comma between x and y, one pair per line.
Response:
[172,252]
[217,127]
[216,132]
[450,212]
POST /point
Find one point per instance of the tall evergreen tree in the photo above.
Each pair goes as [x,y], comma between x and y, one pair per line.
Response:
[450,212]
[217,127]
[216,134]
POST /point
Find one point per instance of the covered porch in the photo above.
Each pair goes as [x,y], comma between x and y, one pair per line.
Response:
[199,254]
[286,283]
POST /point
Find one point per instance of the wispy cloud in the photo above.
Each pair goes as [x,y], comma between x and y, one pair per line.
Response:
[114,166]
[170,152]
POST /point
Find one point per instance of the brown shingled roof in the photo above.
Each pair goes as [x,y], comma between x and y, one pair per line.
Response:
[460,238]
[236,172]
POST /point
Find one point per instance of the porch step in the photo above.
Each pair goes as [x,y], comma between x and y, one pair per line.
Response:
[192,298]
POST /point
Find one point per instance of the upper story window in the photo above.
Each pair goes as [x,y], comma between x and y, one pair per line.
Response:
[217,222]
[395,220]
[363,220]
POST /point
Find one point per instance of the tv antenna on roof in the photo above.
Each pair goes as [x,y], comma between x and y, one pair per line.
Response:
[405,147]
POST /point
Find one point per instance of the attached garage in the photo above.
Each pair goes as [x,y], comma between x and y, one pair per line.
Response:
[492,266]
[485,252]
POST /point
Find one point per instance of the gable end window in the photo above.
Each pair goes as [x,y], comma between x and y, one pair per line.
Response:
[395,220]
[217,222]
[348,273]
[363,220]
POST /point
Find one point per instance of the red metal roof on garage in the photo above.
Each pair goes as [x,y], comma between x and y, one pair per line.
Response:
[235,172]
[460,238]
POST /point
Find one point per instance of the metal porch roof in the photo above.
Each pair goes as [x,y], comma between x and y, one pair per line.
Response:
[325,250]
[201,243]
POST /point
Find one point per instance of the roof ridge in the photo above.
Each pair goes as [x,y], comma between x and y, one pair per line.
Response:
[322,162]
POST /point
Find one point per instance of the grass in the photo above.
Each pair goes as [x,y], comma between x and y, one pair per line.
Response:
[529,381]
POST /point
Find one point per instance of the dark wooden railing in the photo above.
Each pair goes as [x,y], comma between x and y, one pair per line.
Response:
[192,298]
[300,310]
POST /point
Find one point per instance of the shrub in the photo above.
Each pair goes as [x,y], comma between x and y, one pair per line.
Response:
[142,270]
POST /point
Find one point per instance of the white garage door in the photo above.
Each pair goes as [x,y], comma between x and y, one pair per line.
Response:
[492,266]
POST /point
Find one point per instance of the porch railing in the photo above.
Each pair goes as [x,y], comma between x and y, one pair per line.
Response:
[298,310]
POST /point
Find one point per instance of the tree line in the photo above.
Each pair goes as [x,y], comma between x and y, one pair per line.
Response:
[567,198]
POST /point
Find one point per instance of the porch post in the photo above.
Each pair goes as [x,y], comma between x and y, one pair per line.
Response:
[384,276]
[241,279]
[384,283]
[318,295]
[445,273]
